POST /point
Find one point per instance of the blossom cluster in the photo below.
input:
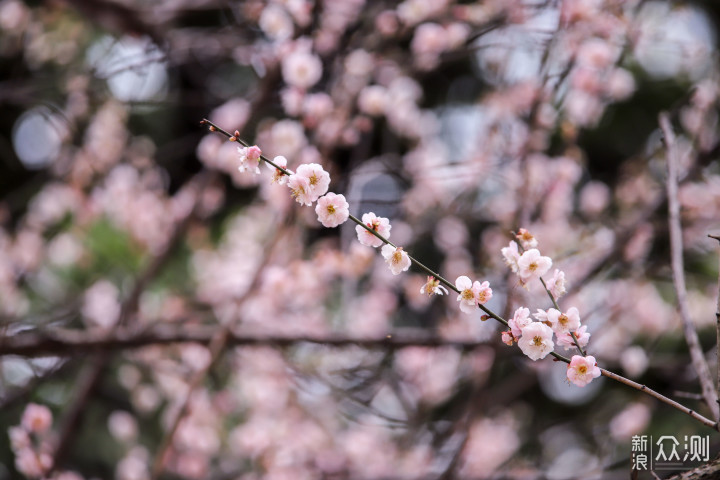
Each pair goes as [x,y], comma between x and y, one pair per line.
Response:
[535,337]
[310,183]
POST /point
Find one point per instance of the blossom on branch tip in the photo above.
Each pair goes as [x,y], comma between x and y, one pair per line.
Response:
[532,265]
[511,256]
[332,210]
[396,258]
[526,239]
[582,335]
[381,225]
[318,179]
[582,370]
[246,156]
[433,287]
[508,338]
[278,175]
[556,286]
[536,341]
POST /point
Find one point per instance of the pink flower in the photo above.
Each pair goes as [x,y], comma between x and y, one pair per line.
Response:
[536,341]
[472,294]
[36,418]
[532,265]
[556,286]
[564,322]
[247,155]
[301,69]
[332,210]
[582,335]
[318,179]
[380,225]
[433,287]
[300,188]
[527,240]
[484,293]
[398,260]
[508,338]
[278,175]
[511,255]
[582,370]
[520,320]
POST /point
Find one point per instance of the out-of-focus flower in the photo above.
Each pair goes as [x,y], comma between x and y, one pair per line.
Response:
[532,265]
[379,224]
[433,287]
[332,210]
[396,258]
[511,255]
[556,285]
[536,341]
[36,418]
[276,23]
[301,69]
[582,370]
[100,305]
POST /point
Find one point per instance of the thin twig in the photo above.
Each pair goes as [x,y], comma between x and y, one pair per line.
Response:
[717,322]
[676,250]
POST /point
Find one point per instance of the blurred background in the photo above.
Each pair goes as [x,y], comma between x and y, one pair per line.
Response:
[162,313]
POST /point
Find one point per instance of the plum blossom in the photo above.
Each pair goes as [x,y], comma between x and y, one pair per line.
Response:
[564,322]
[520,320]
[582,370]
[508,338]
[301,69]
[532,265]
[433,287]
[36,418]
[249,154]
[278,175]
[472,293]
[556,285]
[318,179]
[332,210]
[300,189]
[380,225]
[527,240]
[582,335]
[511,255]
[397,258]
[536,341]
[276,23]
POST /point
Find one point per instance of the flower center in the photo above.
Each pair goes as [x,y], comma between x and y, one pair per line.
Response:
[582,370]
[533,266]
[397,256]
[482,296]
[537,341]
[467,294]
[563,319]
[331,209]
[313,180]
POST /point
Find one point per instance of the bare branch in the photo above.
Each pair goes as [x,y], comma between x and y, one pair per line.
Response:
[676,251]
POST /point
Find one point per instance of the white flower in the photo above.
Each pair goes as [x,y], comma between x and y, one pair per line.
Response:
[301,69]
[472,293]
[380,225]
[300,189]
[396,258]
[511,255]
[532,265]
[278,175]
[564,322]
[433,287]
[536,341]
[318,179]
